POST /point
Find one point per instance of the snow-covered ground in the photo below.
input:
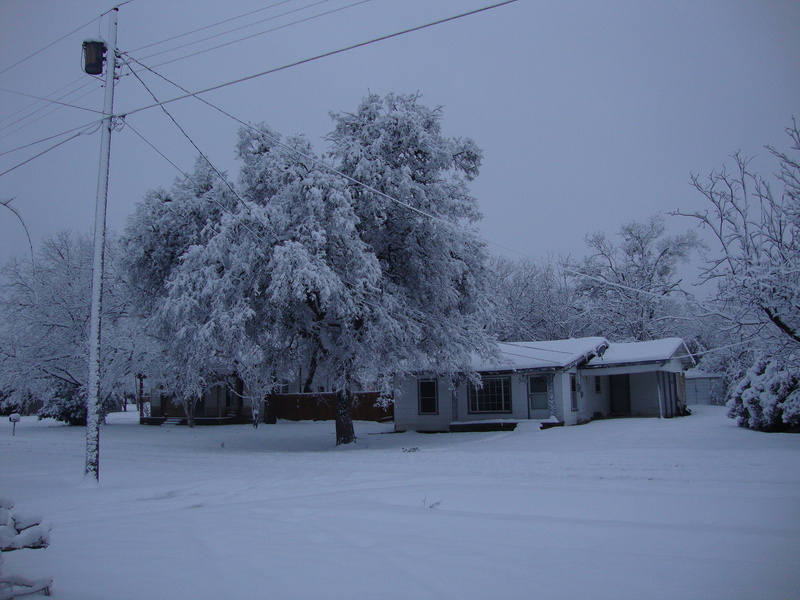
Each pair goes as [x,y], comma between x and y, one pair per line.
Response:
[634,508]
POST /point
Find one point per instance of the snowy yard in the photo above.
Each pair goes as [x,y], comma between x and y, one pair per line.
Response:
[634,508]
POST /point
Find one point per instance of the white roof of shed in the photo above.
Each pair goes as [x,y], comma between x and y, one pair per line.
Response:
[558,354]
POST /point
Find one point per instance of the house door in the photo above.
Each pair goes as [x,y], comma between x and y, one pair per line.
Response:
[538,399]
[620,394]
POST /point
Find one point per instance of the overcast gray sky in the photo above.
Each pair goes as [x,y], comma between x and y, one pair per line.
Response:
[589,113]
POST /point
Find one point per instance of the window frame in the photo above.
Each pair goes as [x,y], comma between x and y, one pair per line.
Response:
[435,397]
[476,396]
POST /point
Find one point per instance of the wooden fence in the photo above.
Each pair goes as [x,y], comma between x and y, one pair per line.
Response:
[321,407]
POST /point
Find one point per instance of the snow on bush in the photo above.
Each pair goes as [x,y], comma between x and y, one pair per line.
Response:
[767,398]
[17,533]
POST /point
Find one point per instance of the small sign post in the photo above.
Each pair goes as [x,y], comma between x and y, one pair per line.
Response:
[14,418]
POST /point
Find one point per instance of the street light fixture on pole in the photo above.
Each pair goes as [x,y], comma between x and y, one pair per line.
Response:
[92,468]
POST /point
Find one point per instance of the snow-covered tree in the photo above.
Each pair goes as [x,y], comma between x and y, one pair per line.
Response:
[632,287]
[535,302]
[355,267]
[165,227]
[758,230]
[432,264]
[45,327]
[756,222]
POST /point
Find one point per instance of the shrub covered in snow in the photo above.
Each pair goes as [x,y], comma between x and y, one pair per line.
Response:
[767,398]
[68,405]
[17,533]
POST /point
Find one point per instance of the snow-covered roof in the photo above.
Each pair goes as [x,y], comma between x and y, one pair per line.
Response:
[642,352]
[558,354]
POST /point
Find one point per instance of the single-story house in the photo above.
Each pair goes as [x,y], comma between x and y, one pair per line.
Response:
[557,382]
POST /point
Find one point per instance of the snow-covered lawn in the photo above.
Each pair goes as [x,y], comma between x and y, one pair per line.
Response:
[633,508]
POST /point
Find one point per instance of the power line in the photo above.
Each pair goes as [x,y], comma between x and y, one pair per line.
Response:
[386,196]
[84,126]
[39,118]
[191,141]
[164,156]
[324,55]
[208,161]
[19,62]
[216,35]
[50,101]
[45,151]
[175,37]
[285,26]
[306,156]
[53,93]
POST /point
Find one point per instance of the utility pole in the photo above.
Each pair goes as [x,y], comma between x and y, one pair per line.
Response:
[93,393]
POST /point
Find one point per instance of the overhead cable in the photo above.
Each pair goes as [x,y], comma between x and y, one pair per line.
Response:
[208,161]
[387,196]
[51,101]
[40,117]
[320,56]
[46,151]
[19,62]
[216,35]
[180,35]
[84,126]
[279,27]
[50,95]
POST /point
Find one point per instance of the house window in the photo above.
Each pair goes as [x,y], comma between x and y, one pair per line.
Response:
[598,388]
[428,400]
[537,393]
[573,386]
[493,397]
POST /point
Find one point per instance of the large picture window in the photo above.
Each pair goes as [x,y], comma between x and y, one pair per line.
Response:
[493,397]
[428,399]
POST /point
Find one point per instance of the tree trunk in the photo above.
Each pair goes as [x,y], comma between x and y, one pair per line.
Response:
[188,408]
[345,433]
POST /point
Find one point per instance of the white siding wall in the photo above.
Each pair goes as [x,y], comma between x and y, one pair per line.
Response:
[589,401]
[598,402]
[406,408]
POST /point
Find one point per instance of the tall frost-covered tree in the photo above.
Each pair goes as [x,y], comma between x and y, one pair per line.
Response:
[356,266]
[535,302]
[163,230]
[414,209]
[632,287]
[756,223]
[44,329]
